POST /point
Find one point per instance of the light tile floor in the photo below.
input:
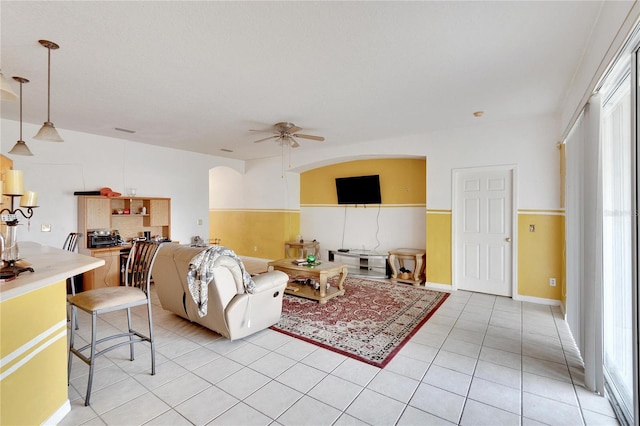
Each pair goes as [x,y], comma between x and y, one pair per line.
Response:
[480,360]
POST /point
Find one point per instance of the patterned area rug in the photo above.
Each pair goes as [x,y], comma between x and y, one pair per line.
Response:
[371,322]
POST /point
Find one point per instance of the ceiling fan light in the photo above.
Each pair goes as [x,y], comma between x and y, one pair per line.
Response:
[20,148]
[48,133]
[6,92]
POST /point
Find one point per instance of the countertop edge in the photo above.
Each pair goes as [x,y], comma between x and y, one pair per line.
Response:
[50,265]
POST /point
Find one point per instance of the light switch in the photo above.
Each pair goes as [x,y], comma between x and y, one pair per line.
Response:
[45,228]
[532,228]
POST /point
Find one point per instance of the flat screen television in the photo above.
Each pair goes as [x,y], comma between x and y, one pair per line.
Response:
[359,190]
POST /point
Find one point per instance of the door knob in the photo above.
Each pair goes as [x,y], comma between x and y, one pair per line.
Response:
[508,239]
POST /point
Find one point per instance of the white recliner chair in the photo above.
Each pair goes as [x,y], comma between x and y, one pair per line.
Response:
[231,310]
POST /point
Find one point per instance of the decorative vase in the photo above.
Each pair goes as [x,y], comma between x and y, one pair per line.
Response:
[10,252]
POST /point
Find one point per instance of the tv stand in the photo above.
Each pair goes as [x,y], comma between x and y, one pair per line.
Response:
[371,264]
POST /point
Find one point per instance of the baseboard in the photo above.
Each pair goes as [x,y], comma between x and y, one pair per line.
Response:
[439,287]
[538,300]
[519,297]
[59,414]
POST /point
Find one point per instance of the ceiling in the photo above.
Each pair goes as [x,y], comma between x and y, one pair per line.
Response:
[199,75]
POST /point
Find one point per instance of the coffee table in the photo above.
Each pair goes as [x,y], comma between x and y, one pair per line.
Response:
[321,272]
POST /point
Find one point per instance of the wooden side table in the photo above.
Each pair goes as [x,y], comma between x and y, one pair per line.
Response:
[301,249]
[402,254]
[322,272]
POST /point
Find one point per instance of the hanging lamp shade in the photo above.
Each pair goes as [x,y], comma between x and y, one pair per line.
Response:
[6,92]
[20,148]
[48,131]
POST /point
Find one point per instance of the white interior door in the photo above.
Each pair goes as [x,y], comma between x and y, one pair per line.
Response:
[483,230]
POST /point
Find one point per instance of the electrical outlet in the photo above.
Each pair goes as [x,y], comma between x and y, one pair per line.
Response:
[255,248]
[45,228]
[199,222]
[552,282]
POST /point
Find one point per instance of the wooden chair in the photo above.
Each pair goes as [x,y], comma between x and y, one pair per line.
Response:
[135,292]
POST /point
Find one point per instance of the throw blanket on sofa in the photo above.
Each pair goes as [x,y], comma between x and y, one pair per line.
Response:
[201,272]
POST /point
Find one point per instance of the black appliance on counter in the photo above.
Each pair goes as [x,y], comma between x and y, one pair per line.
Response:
[101,241]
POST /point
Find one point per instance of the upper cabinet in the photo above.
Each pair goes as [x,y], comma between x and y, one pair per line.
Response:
[130,216]
[97,213]
[159,212]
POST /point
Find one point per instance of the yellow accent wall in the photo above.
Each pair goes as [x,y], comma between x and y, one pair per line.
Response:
[541,255]
[254,233]
[38,386]
[438,270]
[262,233]
[402,180]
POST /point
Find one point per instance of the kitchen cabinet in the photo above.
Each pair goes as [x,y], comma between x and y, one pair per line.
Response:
[159,212]
[131,217]
[99,213]
[107,275]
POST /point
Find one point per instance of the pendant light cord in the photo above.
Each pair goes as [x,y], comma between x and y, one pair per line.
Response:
[48,85]
[20,110]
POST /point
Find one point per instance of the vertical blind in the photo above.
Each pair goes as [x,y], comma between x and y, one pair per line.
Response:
[601,233]
[617,244]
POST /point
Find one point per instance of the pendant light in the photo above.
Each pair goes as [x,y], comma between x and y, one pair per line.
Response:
[6,93]
[48,132]
[20,148]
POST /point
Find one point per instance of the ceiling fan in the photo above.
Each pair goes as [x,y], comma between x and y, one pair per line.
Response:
[285,133]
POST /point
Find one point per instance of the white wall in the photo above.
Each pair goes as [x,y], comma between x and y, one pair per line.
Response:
[262,185]
[86,162]
[530,144]
[364,228]
[614,24]
[225,188]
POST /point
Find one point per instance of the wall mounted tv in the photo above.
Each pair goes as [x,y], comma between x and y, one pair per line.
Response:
[359,190]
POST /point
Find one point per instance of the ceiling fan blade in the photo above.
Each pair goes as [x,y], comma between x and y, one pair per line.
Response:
[315,138]
[266,139]
[294,129]
[264,131]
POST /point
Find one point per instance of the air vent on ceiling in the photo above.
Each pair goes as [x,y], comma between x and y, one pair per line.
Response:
[124,130]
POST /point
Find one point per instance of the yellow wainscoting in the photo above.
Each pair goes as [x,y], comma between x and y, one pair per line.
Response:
[254,233]
[33,368]
[541,253]
[438,270]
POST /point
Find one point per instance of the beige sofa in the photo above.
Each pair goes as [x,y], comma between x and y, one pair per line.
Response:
[231,311]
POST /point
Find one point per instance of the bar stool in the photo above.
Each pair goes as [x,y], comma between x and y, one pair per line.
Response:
[134,293]
[71,244]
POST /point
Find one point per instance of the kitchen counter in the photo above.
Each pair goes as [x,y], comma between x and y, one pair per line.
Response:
[50,265]
[33,333]
[109,249]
